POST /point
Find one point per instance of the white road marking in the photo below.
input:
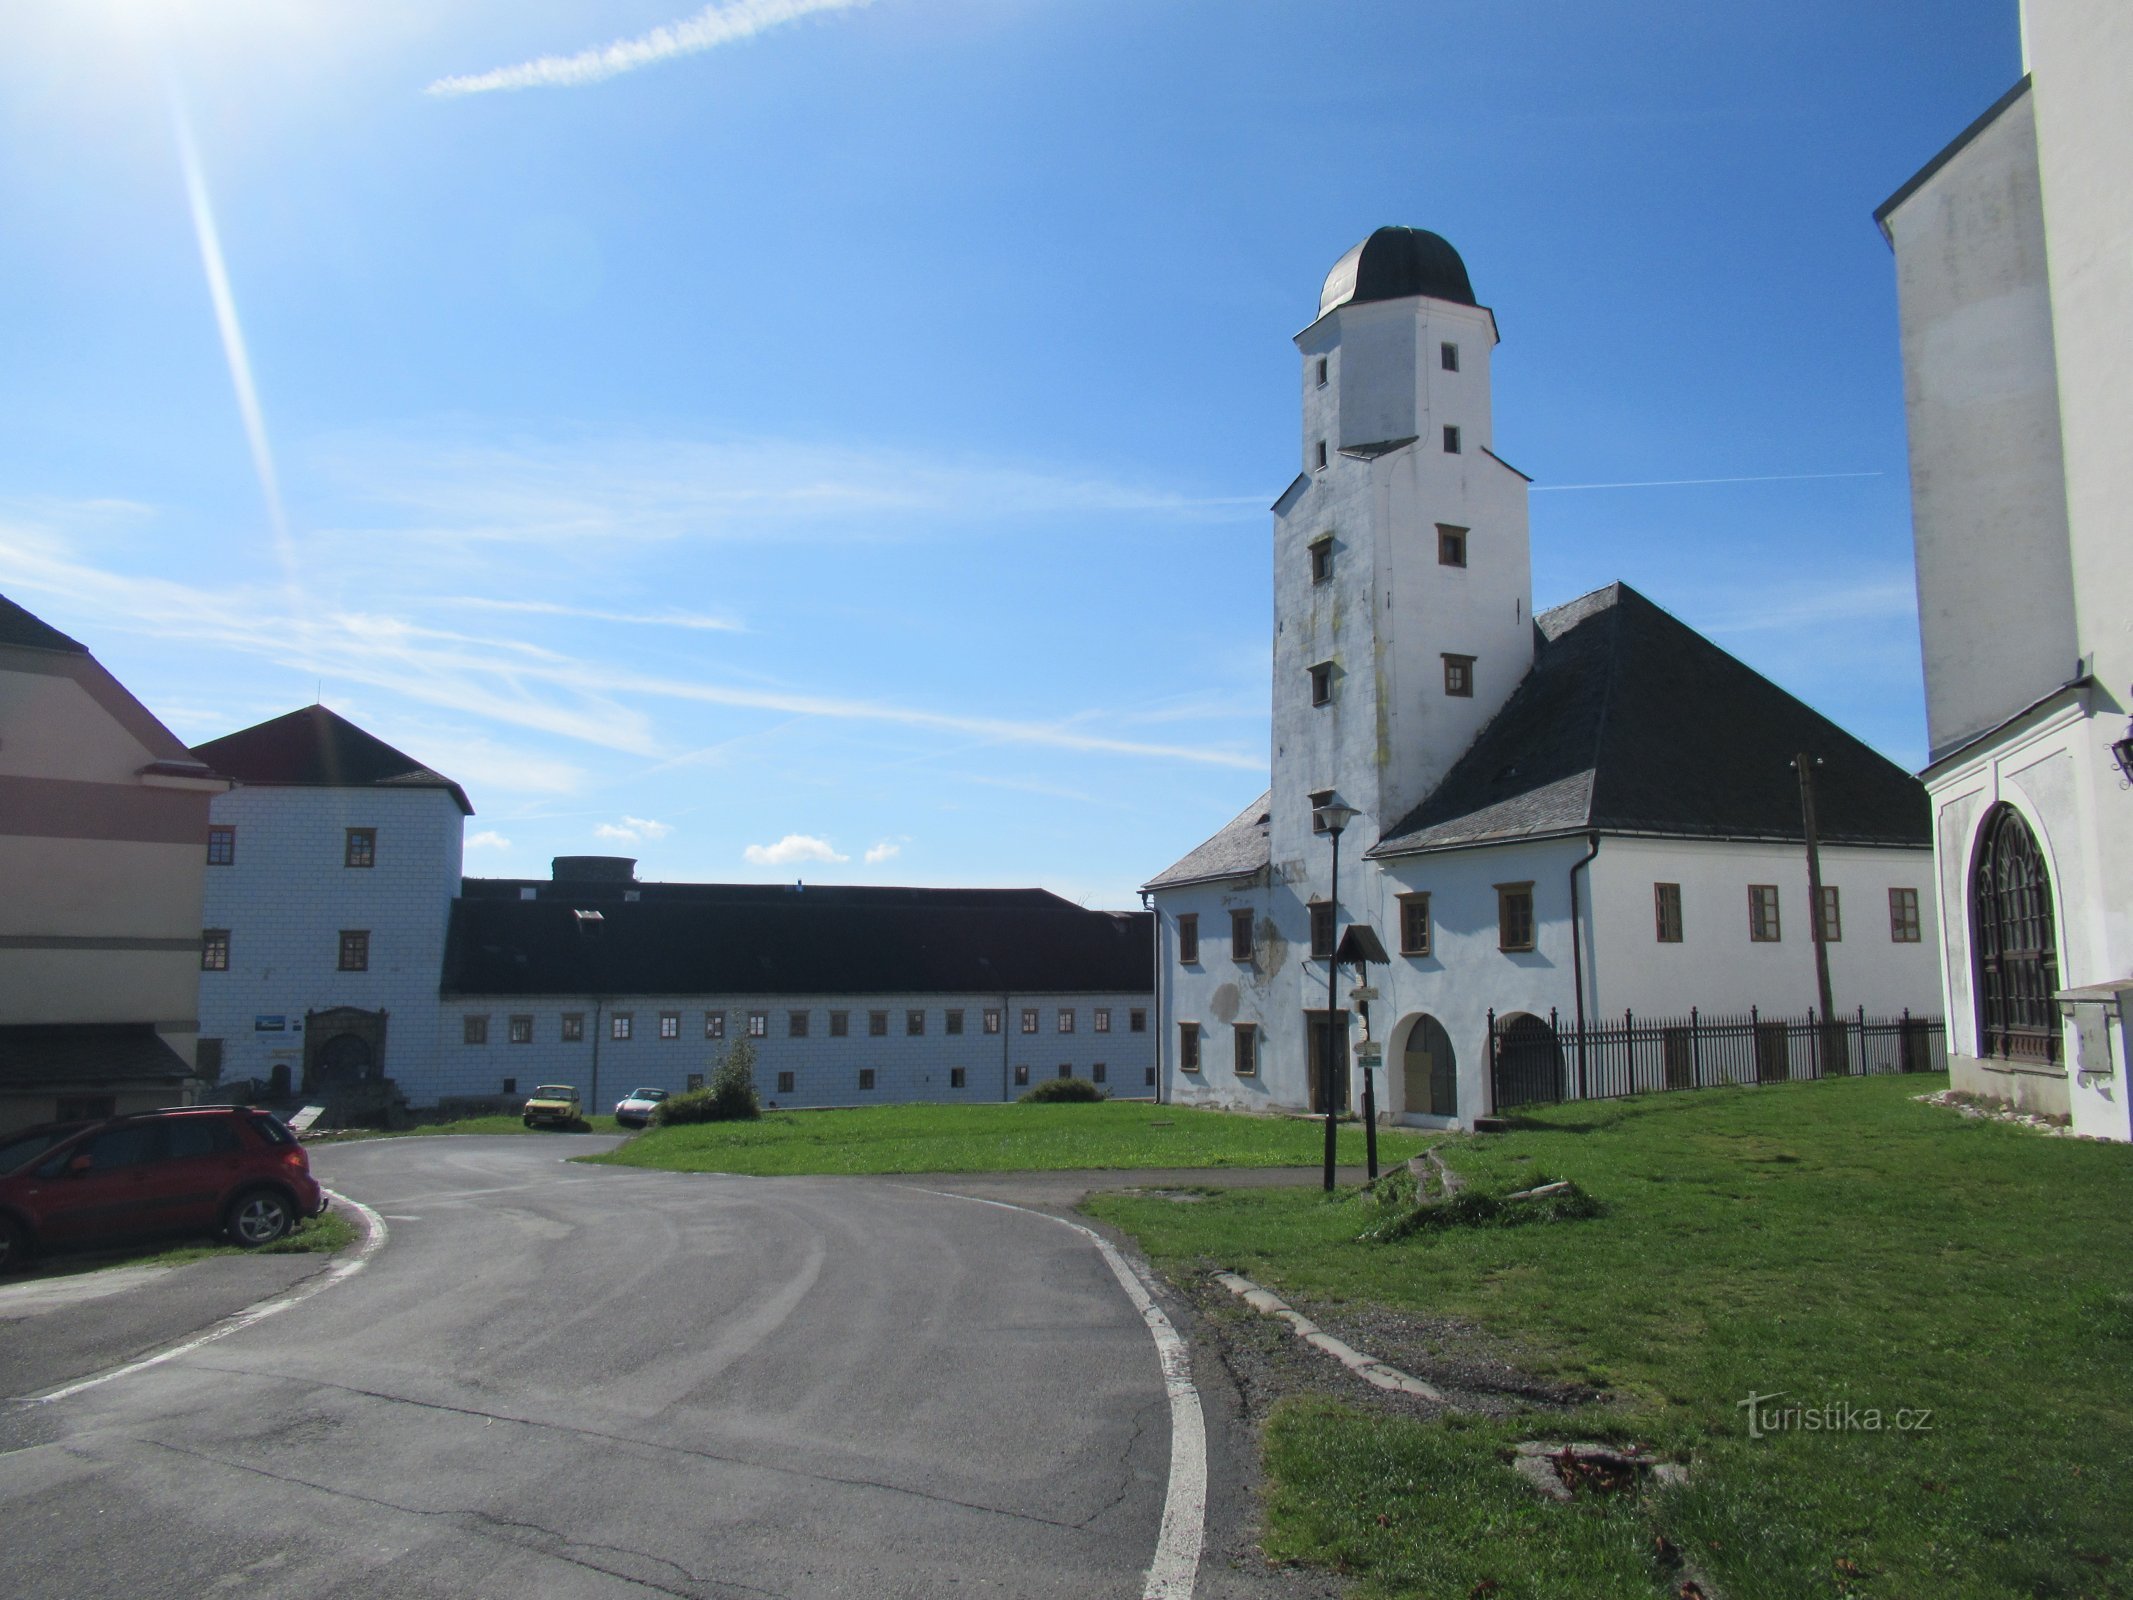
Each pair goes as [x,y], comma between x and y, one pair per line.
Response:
[340,1272]
[1176,1567]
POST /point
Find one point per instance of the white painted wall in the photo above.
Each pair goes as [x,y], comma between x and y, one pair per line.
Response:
[825,1069]
[288,895]
[1717,967]
[1995,584]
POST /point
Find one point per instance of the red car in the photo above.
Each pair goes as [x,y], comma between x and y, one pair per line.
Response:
[192,1169]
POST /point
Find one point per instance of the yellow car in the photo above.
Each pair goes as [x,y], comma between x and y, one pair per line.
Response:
[552,1105]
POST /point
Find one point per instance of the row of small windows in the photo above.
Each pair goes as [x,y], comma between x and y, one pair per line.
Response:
[1451,551]
[1458,679]
[353,953]
[1452,447]
[1515,924]
[359,846]
[1447,358]
[798,1024]
[1244,1046]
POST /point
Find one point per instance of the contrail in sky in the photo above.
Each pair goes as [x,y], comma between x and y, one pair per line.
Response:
[1682,483]
[233,347]
[707,30]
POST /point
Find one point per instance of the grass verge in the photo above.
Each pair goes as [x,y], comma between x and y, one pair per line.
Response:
[1835,1245]
[994,1138]
[321,1235]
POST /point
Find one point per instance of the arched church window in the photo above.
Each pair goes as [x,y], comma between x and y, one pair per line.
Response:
[2012,943]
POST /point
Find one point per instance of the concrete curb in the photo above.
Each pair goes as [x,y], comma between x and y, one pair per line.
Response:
[1369,1368]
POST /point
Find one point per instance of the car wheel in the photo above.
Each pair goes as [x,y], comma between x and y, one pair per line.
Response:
[14,1247]
[259,1216]
[527,1120]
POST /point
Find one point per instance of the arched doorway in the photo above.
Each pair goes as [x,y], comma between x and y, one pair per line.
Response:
[1429,1071]
[2013,947]
[344,1061]
[1529,1062]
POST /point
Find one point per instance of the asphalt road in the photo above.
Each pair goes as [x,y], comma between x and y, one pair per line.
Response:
[557,1380]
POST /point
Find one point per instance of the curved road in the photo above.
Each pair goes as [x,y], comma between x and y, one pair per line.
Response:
[559,1380]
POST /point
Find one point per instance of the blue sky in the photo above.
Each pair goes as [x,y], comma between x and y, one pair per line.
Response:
[839,445]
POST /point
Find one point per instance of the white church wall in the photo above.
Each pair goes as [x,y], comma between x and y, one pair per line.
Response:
[1215,993]
[1718,968]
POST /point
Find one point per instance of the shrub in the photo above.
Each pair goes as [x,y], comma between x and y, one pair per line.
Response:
[1053,1090]
[1477,1208]
[729,1096]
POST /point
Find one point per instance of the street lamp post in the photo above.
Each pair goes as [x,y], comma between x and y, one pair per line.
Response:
[1332,818]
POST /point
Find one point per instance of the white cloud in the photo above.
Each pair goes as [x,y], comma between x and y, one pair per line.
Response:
[711,27]
[883,852]
[548,608]
[793,847]
[488,839]
[633,830]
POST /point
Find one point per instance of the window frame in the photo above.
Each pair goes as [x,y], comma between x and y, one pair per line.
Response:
[1904,915]
[1188,1047]
[1321,675]
[1323,918]
[797,1023]
[621,1026]
[1666,914]
[1029,1019]
[354,953]
[367,839]
[995,1020]
[1137,1019]
[1508,897]
[1245,1049]
[474,1027]
[915,1023]
[1100,1021]
[1452,545]
[1413,905]
[877,1024]
[715,1024]
[1066,1019]
[1458,676]
[1322,457]
[1188,938]
[1324,367]
[1447,356]
[1452,440]
[866,1080]
[952,1022]
[518,1029]
[1831,921]
[222,844]
[1241,943]
[1760,931]
[1321,550]
[786,1081]
[571,1027]
[758,1024]
[670,1024]
[214,949]
[840,1025]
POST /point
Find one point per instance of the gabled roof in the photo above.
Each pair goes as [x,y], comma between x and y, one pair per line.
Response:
[317,748]
[30,632]
[1238,851]
[801,943]
[1632,722]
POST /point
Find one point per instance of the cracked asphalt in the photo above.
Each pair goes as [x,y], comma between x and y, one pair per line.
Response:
[559,1381]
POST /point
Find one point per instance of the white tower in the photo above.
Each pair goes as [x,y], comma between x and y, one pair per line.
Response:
[1402,572]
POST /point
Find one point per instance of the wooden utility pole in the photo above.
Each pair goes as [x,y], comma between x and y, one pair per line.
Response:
[1805,764]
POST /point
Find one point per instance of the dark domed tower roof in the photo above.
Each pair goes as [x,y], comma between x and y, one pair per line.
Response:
[1393,264]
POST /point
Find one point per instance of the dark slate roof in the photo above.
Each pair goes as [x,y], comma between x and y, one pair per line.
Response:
[1238,851]
[1380,447]
[20,627]
[1394,263]
[317,748]
[99,1053]
[807,943]
[1632,722]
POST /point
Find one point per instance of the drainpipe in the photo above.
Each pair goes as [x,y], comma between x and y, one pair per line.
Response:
[1577,951]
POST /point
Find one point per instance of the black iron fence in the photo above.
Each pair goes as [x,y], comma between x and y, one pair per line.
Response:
[1534,1061]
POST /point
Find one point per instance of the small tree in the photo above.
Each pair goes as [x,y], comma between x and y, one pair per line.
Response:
[728,1097]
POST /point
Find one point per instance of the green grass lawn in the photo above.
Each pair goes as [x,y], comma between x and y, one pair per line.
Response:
[1835,1243]
[320,1235]
[994,1138]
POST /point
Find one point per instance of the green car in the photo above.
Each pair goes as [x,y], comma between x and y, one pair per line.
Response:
[553,1105]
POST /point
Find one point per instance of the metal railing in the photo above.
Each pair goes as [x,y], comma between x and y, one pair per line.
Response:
[1536,1062]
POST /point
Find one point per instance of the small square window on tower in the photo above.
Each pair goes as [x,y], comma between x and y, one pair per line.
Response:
[1451,441]
[1322,558]
[1448,357]
[1459,676]
[1451,545]
[1321,455]
[1321,372]
[1322,683]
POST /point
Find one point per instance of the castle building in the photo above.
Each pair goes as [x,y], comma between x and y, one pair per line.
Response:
[102,810]
[1594,811]
[346,959]
[2014,269]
